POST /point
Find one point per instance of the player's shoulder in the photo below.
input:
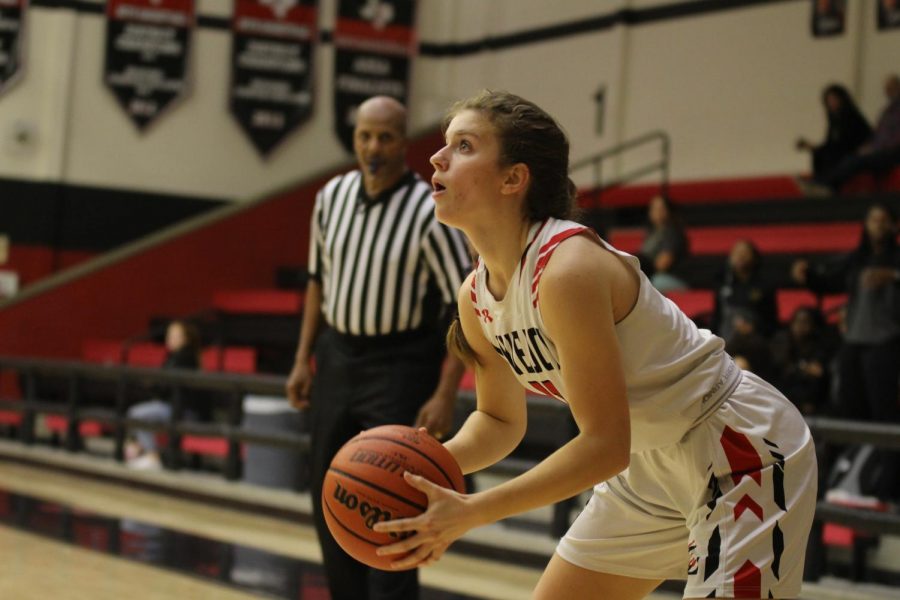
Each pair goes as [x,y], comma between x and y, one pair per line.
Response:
[580,259]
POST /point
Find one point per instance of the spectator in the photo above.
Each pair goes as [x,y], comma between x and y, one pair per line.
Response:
[747,346]
[802,353]
[742,288]
[183,352]
[882,151]
[870,354]
[847,130]
[664,247]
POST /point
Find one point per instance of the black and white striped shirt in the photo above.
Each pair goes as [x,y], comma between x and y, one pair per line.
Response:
[386,266]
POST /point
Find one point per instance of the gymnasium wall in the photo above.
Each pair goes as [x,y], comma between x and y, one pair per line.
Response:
[733,82]
[240,247]
[732,85]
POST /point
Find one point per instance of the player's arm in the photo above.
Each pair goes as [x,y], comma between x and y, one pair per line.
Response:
[497,424]
[581,289]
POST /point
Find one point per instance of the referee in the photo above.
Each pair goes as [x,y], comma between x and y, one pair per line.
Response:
[383,281]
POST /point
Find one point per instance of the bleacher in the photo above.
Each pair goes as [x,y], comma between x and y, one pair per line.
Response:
[253,330]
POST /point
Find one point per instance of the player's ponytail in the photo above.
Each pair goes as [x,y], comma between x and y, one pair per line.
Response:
[459,345]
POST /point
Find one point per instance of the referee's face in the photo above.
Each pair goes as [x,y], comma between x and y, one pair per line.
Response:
[380,147]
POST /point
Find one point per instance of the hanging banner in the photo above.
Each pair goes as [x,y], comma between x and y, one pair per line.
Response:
[828,17]
[12,41]
[271,68]
[374,41]
[888,14]
[147,49]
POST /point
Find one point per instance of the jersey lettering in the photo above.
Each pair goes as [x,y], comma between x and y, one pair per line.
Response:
[526,351]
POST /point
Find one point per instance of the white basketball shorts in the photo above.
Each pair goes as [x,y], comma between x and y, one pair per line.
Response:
[728,508]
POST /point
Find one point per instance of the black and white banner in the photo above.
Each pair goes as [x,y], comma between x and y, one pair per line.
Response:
[271,68]
[12,41]
[374,41]
[888,14]
[828,17]
[147,50]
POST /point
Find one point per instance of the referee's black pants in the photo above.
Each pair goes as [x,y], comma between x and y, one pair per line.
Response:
[361,383]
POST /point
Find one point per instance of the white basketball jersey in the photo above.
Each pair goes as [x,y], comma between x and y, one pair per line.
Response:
[675,373]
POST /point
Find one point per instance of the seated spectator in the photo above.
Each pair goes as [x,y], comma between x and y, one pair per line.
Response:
[870,354]
[183,352]
[664,247]
[881,152]
[801,355]
[847,130]
[747,346]
[743,289]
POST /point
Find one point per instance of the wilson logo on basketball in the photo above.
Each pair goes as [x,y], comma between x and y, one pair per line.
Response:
[376,459]
[370,514]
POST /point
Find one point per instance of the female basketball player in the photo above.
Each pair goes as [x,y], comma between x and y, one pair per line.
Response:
[702,472]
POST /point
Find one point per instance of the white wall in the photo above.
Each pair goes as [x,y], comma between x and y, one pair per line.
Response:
[733,88]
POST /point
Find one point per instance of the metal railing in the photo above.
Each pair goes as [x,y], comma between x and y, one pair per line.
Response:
[661,165]
[70,378]
[229,391]
[828,433]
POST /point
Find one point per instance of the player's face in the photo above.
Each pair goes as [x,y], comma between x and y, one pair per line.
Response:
[467,172]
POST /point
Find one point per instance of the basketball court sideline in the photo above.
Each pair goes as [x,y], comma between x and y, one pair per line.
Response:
[37,567]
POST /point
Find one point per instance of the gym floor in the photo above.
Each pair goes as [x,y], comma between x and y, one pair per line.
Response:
[66,535]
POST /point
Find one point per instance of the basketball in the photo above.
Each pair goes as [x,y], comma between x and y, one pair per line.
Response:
[364,485]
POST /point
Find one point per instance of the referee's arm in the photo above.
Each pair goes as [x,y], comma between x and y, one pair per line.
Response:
[445,253]
[299,381]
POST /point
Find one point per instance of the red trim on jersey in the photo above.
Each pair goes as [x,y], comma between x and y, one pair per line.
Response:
[544,255]
[748,581]
[747,503]
[525,252]
[549,385]
[742,456]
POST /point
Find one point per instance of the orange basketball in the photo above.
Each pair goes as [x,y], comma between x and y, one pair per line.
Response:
[364,485]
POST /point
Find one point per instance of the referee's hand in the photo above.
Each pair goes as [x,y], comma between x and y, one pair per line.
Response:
[436,415]
[298,385]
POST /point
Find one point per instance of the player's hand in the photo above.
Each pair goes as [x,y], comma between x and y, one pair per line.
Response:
[298,385]
[448,517]
[436,415]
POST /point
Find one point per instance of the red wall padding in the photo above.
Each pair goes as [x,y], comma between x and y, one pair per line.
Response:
[177,277]
[35,262]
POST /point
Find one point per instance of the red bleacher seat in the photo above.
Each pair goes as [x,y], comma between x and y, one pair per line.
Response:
[694,303]
[868,183]
[107,352]
[58,425]
[10,418]
[784,239]
[702,191]
[239,359]
[236,359]
[831,304]
[270,302]
[146,354]
[209,446]
[211,359]
[232,359]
